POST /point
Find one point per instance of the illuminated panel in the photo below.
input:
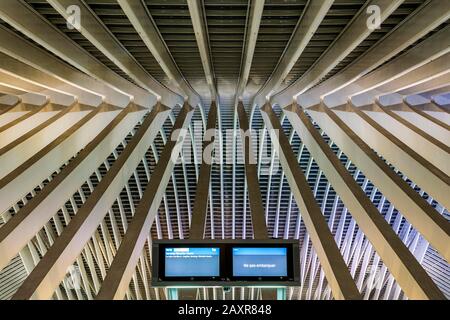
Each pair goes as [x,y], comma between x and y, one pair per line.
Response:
[259,262]
[192,262]
[226,263]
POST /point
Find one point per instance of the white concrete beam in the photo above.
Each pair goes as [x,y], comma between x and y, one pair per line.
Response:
[196,11]
[21,149]
[124,265]
[419,213]
[251,177]
[352,36]
[53,95]
[435,152]
[434,83]
[7,101]
[336,271]
[431,112]
[52,269]
[99,35]
[417,25]
[255,11]
[142,21]
[430,93]
[442,100]
[5,89]
[29,220]
[22,119]
[15,46]
[424,99]
[23,18]
[25,96]
[423,173]
[416,63]
[44,162]
[423,122]
[407,271]
[11,112]
[386,92]
[202,192]
[18,69]
[307,25]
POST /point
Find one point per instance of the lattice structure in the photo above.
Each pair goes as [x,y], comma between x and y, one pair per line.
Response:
[93,94]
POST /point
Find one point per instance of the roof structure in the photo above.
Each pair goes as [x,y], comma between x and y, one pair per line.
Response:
[348,101]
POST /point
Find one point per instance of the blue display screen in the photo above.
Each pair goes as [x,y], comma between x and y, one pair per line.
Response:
[192,262]
[259,262]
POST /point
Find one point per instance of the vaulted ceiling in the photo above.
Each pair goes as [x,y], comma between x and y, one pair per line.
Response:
[134,67]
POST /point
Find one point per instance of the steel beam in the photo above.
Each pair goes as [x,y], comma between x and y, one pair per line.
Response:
[89,89]
[142,21]
[22,227]
[23,18]
[423,216]
[102,38]
[251,175]
[18,69]
[427,176]
[417,25]
[203,183]
[54,96]
[119,275]
[336,271]
[51,270]
[21,149]
[410,275]
[307,25]
[196,11]
[347,41]
[255,11]
[43,163]
[412,66]
[434,152]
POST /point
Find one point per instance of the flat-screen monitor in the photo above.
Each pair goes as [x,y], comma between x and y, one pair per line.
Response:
[249,262]
[192,262]
[260,262]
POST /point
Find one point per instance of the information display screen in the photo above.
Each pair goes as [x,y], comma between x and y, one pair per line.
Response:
[260,262]
[206,262]
[192,262]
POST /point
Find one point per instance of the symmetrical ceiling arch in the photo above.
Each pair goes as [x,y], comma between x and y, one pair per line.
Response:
[360,176]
